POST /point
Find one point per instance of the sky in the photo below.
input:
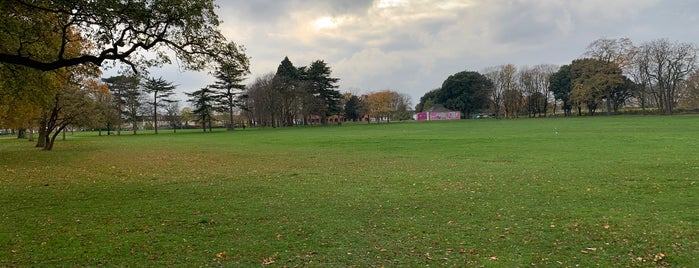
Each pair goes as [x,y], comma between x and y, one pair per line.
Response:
[412,46]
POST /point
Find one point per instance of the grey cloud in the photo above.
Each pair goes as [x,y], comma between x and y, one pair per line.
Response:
[526,23]
[414,56]
[273,10]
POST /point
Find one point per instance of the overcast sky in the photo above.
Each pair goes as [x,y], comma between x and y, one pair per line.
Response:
[412,46]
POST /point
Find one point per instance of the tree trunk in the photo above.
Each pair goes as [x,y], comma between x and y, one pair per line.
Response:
[231,125]
[118,129]
[51,139]
[41,141]
[155,119]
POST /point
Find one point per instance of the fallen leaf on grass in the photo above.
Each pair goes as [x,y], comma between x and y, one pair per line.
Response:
[588,250]
[659,257]
[268,261]
[222,255]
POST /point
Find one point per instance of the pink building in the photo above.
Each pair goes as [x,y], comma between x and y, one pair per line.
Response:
[436,113]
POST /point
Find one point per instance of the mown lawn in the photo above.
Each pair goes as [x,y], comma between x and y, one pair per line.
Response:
[618,191]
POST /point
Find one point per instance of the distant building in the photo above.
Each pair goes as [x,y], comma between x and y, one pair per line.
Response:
[437,113]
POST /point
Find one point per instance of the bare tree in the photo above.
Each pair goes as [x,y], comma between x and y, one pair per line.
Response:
[528,86]
[400,104]
[496,94]
[262,102]
[619,51]
[173,115]
[662,67]
[542,75]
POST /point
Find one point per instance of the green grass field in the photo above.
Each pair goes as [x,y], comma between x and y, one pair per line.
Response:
[608,192]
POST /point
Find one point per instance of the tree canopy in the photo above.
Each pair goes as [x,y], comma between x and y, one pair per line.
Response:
[466,92]
[117,30]
[594,80]
[561,85]
[323,88]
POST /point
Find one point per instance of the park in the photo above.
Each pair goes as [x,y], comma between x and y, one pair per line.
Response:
[561,192]
[526,148]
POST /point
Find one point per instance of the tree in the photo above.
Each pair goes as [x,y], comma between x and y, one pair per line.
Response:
[427,100]
[402,107]
[322,87]
[204,107]
[173,114]
[379,105]
[23,95]
[233,67]
[118,30]
[662,67]
[690,92]
[466,92]
[561,85]
[264,101]
[621,53]
[161,91]
[534,82]
[133,106]
[121,86]
[618,51]
[594,80]
[512,100]
[72,105]
[56,98]
[105,114]
[287,84]
[543,74]
[26,93]
[527,83]
[186,116]
[504,81]
[352,106]
[621,94]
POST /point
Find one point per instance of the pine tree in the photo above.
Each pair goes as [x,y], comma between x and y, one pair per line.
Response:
[162,91]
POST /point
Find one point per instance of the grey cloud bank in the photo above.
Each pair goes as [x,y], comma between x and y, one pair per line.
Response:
[411,46]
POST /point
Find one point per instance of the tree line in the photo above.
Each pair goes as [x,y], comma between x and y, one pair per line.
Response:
[308,95]
[659,76]
[52,51]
